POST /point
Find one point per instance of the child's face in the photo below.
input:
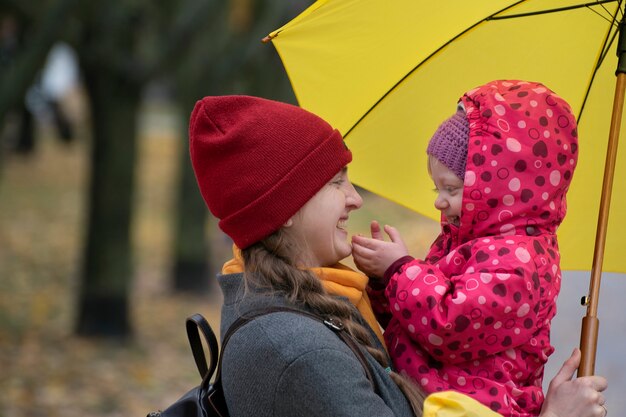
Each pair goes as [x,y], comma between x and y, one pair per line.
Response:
[449,189]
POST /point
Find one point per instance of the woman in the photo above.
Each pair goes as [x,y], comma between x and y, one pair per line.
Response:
[275,175]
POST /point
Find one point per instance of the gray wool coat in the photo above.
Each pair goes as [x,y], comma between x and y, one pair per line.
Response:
[288,365]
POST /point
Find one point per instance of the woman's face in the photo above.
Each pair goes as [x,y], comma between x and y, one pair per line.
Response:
[320,225]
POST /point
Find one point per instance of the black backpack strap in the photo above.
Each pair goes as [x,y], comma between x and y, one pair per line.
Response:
[196,324]
[334,324]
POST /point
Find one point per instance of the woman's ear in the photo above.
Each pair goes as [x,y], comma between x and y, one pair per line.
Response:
[288,223]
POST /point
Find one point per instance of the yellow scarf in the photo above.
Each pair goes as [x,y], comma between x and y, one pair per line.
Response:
[338,280]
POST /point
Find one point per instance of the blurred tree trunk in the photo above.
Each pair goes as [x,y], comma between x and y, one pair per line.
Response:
[226,58]
[124,45]
[192,265]
[103,305]
[110,68]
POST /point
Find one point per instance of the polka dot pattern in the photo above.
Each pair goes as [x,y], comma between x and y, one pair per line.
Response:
[474,316]
[532,148]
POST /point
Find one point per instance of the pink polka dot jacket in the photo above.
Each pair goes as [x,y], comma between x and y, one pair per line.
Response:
[474,316]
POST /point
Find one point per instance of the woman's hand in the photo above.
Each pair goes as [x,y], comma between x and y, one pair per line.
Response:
[373,256]
[579,397]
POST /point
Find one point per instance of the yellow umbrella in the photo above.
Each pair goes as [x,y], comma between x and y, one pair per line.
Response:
[387,73]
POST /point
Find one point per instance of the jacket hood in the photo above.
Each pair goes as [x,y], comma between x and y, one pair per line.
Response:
[522,152]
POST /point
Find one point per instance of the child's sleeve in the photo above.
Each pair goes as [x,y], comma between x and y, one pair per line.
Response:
[479,300]
[376,291]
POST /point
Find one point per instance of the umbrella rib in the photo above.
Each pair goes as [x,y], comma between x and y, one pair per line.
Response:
[495,17]
[559,9]
[605,49]
[611,21]
[619,10]
[619,7]
[373,106]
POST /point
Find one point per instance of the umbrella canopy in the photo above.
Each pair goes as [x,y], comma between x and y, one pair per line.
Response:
[386,74]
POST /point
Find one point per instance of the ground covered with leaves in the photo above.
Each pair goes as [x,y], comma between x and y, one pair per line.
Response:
[45,369]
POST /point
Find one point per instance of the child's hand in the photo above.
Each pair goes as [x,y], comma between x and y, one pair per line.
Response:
[373,256]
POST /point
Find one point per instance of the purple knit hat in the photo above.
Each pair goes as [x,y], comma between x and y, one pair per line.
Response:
[449,143]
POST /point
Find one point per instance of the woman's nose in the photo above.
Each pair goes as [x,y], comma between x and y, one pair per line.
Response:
[353,198]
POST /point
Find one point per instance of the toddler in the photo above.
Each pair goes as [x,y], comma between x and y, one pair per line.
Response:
[474,315]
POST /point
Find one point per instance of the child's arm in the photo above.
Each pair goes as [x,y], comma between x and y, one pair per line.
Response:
[374,255]
[495,302]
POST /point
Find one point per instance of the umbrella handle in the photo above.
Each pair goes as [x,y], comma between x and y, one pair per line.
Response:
[588,344]
[589,332]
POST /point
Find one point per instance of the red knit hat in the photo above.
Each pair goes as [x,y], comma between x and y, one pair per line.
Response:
[258,161]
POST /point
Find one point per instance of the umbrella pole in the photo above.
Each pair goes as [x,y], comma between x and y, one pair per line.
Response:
[590,323]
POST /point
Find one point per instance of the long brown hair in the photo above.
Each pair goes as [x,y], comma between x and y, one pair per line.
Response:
[271,264]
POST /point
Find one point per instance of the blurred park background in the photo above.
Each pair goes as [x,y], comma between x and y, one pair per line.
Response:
[105,244]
